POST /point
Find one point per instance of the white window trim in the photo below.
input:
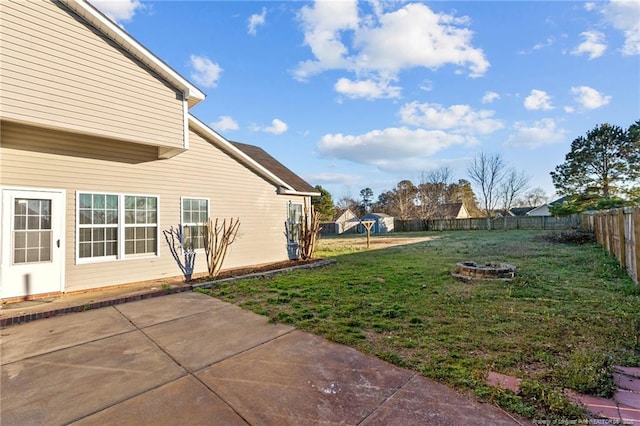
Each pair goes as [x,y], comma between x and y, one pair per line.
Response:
[289,204]
[121,227]
[200,250]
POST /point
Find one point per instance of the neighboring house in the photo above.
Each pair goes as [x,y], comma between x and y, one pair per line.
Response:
[344,221]
[451,211]
[383,223]
[99,155]
[503,213]
[520,211]
[543,210]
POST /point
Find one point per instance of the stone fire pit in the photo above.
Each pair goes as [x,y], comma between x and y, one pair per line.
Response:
[491,271]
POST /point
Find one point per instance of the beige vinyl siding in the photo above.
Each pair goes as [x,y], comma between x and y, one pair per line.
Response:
[58,72]
[39,158]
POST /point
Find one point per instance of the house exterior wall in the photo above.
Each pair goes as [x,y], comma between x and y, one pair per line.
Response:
[40,158]
[543,210]
[60,73]
[348,222]
[463,213]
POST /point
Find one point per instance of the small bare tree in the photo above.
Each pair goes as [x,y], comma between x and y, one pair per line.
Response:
[432,192]
[487,171]
[309,234]
[175,241]
[217,239]
[513,184]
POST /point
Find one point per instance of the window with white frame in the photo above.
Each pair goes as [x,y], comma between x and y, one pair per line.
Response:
[195,212]
[140,224]
[97,225]
[294,222]
[116,226]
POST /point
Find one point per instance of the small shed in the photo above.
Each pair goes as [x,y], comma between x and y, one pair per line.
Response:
[343,222]
[383,223]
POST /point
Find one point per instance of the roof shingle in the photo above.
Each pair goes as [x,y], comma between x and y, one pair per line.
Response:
[263,158]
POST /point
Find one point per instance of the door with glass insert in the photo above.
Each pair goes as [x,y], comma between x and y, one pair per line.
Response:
[32,246]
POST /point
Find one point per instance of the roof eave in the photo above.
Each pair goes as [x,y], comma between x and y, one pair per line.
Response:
[283,191]
[119,36]
[234,152]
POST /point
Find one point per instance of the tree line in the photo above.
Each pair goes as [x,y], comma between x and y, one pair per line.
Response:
[602,170]
[438,188]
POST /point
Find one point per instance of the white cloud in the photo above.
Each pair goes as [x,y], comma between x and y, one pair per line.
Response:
[368,89]
[589,6]
[548,42]
[256,20]
[539,46]
[224,123]
[624,15]
[460,119]
[322,25]
[569,109]
[205,72]
[489,97]
[333,178]
[538,100]
[389,149]
[589,97]
[415,36]
[119,10]
[377,47]
[426,86]
[593,44]
[277,127]
[542,132]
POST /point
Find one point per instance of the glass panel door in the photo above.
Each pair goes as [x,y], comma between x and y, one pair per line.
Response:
[31,231]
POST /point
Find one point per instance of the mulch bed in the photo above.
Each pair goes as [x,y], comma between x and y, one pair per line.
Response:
[257,269]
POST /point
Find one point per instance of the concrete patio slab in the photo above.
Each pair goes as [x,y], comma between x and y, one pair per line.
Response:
[303,379]
[199,340]
[628,398]
[422,401]
[627,382]
[66,385]
[213,364]
[39,337]
[145,313]
[185,401]
[629,416]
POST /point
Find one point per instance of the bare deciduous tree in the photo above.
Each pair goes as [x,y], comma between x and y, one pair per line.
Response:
[217,239]
[309,234]
[404,200]
[513,184]
[487,171]
[534,198]
[432,191]
[175,241]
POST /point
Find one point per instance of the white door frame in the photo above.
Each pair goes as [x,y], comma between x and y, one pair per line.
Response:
[55,271]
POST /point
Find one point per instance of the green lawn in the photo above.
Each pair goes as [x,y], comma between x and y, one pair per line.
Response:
[568,316]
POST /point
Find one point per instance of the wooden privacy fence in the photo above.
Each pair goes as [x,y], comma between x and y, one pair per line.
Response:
[479,223]
[618,232]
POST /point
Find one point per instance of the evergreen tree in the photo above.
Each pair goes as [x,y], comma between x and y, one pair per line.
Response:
[605,162]
[323,204]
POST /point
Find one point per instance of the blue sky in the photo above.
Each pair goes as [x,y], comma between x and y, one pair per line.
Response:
[364,94]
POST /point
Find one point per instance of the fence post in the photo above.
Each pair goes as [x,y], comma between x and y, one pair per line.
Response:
[636,237]
[622,240]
